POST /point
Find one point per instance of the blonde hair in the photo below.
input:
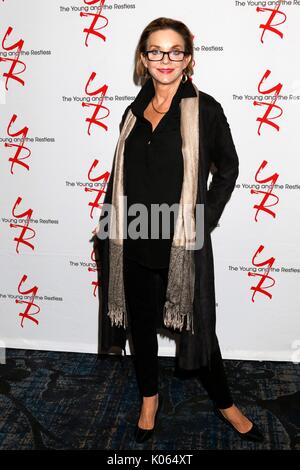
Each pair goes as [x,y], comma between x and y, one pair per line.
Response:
[140,71]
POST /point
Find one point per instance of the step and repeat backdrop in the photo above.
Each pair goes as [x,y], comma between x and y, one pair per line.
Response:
[66,77]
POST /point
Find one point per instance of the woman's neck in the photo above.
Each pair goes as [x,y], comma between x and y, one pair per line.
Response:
[164,93]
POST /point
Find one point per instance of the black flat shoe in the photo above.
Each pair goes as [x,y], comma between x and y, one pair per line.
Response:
[142,435]
[253,434]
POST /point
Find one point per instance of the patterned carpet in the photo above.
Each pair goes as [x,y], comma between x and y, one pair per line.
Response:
[55,400]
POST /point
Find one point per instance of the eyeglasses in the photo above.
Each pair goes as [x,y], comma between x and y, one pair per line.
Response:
[156,55]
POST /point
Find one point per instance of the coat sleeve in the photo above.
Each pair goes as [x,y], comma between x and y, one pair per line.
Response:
[226,163]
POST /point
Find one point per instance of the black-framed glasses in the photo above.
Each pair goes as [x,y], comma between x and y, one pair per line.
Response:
[157,55]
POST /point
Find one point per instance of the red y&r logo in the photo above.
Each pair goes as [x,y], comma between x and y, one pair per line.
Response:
[259,287]
[102,92]
[266,119]
[96,16]
[20,147]
[263,206]
[14,62]
[95,284]
[104,177]
[29,305]
[269,26]
[25,228]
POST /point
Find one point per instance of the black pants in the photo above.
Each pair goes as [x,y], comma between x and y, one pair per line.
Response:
[142,296]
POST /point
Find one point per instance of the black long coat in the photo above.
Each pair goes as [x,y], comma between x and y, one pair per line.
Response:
[217,154]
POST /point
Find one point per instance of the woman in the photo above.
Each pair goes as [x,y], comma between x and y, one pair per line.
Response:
[170,136]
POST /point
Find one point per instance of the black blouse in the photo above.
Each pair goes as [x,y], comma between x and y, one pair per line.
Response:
[153,172]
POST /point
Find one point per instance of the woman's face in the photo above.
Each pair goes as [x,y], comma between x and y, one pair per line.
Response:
[165,71]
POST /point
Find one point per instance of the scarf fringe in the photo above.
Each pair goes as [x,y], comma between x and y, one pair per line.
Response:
[174,318]
[116,315]
[116,302]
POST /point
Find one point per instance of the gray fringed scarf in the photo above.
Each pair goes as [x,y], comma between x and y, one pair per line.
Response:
[178,306]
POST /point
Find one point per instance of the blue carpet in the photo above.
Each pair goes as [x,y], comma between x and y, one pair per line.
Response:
[57,400]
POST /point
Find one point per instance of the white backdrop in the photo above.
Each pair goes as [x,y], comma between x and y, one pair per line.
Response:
[44,86]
